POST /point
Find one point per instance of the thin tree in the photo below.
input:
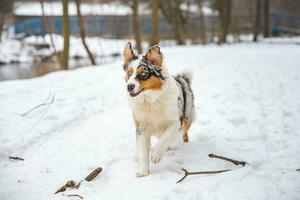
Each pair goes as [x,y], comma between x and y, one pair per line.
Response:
[155,23]
[174,15]
[49,31]
[224,9]
[266,18]
[66,35]
[201,22]
[6,7]
[82,32]
[136,25]
[257,20]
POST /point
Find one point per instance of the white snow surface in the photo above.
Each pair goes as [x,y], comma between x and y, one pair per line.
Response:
[248,105]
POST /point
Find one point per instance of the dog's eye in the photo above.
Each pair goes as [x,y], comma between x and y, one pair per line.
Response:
[144,75]
[128,73]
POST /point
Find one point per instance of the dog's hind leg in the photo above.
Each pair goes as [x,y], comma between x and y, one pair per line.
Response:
[185,128]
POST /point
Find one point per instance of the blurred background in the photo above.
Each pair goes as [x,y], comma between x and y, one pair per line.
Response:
[41,36]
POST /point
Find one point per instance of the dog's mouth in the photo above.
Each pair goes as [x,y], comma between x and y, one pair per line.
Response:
[132,94]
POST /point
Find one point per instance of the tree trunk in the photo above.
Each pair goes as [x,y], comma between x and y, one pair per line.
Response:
[172,12]
[224,8]
[266,18]
[49,31]
[136,25]
[66,34]
[257,20]
[202,23]
[82,32]
[2,18]
[155,23]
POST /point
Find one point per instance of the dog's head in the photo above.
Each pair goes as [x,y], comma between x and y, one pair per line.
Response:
[143,73]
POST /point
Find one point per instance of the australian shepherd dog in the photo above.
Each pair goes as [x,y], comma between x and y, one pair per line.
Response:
[162,104]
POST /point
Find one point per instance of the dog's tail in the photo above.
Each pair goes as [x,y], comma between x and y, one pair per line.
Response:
[187,75]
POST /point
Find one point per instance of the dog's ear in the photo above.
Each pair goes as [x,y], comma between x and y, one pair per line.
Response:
[128,53]
[154,56]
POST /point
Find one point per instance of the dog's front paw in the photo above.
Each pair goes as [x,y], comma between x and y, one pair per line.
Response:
[142,173]
[156,156]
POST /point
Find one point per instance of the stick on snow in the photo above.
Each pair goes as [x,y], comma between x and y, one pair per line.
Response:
[16,158]
[236,162]
[187,173]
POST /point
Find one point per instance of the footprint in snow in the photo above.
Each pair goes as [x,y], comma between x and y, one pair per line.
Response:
[237,121]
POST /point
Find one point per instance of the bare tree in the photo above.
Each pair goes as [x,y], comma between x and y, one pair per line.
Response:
[6,7]
[66,34]
[257,20]
[49,31]
[224,9]
[202,22]
[236,15]
[173,13]
[155,23]
[136,25]
[82,32]
[266,18]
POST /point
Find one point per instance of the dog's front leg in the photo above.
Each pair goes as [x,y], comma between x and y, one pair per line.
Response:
[143,150]
[167,138]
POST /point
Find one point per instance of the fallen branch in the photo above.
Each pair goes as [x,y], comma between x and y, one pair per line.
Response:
[16,158]
[187,173]
[75,195]
[236,162]
[69,184]
[298,170]
[72,184]
[93,174]
[37,106]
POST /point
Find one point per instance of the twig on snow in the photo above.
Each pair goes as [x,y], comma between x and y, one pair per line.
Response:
[93,174]
[72,184]
[15,158]
[69,184]
[40,105]
[75,195]
[236,162]
[187,173]
[298,169]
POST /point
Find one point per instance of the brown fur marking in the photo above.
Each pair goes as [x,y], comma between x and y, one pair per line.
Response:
[130,69]
[185,128]
[127,53]
[153,83]
[154,56]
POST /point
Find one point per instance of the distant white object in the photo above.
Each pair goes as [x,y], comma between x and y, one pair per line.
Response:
[55,9]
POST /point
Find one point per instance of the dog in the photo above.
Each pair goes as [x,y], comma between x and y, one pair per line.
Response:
[162,104]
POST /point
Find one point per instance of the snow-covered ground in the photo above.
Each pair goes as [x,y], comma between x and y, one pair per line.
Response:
[248,104]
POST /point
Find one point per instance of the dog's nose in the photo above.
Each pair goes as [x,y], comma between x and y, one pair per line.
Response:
[130,87]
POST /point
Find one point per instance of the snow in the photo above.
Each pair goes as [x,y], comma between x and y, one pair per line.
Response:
[10,51]
[100,47]
[55,9]
[247,101]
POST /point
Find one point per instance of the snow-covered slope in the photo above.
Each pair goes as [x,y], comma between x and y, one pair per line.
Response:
[248,105]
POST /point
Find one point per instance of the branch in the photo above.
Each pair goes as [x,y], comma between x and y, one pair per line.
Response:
[187,173]
[75,195]
[16,158]
[236,162]
[72,184]
[69,184]
[40,105]
[93,174]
